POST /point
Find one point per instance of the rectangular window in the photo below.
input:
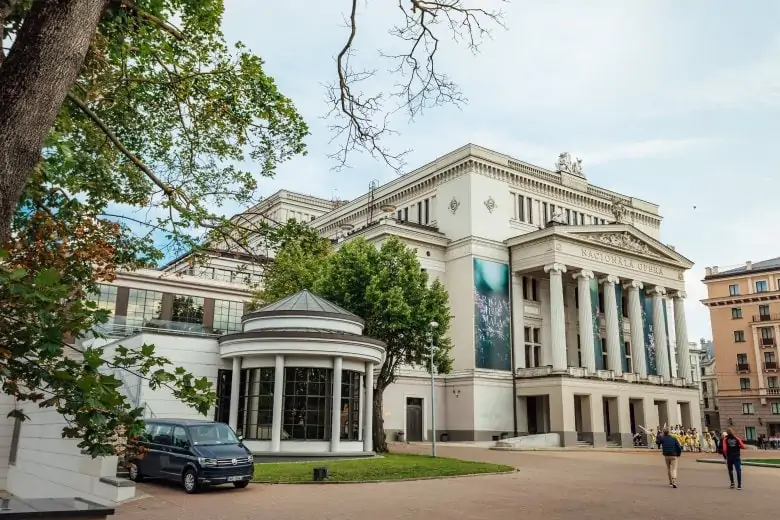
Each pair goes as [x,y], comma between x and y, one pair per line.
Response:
[568,216]
[742,359]
[762,286]
[105,297]
[776,408]
[521,208]
[143,307]
[406,214]
[601,301]
[577,298]
[629,367]
[187,309]
[763,312]
[582,219]
[772,382]
[419,213]
[525,287]
[530,210]
[534,290]
[227,316]
[750,433]
[307,401]
[734,290]
[223,275]
[769,358]
[547,218]
[350,405]
[604,358]
[579,351]
[736,313]
[398,215]
[744,383]
[256,403]
[427,211]
[767,333]
[748,409]
[739,336]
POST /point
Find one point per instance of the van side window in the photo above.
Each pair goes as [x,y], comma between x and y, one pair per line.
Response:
[162,434]
[148,432]
[179,437]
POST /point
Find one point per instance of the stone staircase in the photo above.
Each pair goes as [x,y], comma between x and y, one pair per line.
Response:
[584,444]
[613,444]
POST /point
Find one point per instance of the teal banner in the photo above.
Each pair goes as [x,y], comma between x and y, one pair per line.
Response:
[594,306]
[619,297]
[491,315]
[647,322]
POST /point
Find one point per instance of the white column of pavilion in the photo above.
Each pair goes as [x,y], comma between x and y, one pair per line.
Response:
[276,417]
[557,318]
[637,329]
[659,334]
[614,361]
[681,336]
[235,388]
[587,349]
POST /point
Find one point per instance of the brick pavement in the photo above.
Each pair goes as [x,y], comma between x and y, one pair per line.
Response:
[548,485]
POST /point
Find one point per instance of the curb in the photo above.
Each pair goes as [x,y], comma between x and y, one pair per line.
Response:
[578,450]
[386,481]
[745,462]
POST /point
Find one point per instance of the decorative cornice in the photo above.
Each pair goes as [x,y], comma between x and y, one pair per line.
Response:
[634,284]
[561,268]
[586,274]
[610,279]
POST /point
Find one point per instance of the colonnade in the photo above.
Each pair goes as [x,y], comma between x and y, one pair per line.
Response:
[556,352]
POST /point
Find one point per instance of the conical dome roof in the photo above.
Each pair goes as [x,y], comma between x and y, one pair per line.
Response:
[305,303]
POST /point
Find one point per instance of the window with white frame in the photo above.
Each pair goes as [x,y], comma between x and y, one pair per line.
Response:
[748,409]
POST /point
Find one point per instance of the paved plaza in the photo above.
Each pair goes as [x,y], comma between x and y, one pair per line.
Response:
[549,485]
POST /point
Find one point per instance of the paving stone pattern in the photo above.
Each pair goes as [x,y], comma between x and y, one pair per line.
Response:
[549,486]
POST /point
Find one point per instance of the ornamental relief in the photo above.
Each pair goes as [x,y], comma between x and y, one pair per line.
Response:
[624,241]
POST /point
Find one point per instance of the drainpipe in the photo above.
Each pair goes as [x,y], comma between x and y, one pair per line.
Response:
[512,346]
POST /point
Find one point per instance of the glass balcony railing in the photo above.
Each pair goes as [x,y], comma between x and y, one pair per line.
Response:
[124,326]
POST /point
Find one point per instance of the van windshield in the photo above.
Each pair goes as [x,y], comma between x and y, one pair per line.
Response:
[212,434]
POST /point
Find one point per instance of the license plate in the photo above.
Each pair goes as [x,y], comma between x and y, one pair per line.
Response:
[235,479]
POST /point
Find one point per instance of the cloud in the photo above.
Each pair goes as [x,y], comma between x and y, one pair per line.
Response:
[648,149]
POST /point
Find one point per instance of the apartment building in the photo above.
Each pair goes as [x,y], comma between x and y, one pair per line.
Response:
[744,305]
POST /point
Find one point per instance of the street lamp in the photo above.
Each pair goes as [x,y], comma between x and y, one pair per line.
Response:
[433,325]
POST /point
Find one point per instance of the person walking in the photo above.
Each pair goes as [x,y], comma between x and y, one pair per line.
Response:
[671,451]
[732,452]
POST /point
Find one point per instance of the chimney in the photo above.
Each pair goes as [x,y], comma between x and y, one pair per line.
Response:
[748,265]
[708,271]
[714,269]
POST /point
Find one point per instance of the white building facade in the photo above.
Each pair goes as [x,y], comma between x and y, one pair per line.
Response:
[566,309]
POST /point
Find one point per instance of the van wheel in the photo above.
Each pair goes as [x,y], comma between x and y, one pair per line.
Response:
[135,475]
[190,481]
[242,484]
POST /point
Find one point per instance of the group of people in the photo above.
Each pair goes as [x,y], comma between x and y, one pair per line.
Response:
[729,446]
[690,439]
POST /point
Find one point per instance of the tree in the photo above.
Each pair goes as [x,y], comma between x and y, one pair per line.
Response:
[387,288]
[300,254]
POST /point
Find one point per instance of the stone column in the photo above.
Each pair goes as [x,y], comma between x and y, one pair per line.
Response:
[681,335]
[557,318]
[518,321]
[545,358]
[569,291]
[235,391]
[335,424]
[587,349]
[368,409]
[276,427]
[659,333]
[615,363]
[637,329]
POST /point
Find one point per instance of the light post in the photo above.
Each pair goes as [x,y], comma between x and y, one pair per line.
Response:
[433,325]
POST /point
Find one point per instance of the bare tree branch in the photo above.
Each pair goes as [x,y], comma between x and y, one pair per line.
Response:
[362,120]
[131,6]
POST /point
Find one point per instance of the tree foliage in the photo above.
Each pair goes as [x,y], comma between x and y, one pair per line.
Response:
[386,287]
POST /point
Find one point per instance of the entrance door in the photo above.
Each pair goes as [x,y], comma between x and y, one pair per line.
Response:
[632,416]
[224,383]
[607,429]
[531,407]
[414,419]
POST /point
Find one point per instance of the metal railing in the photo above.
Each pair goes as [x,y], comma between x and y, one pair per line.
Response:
[765,317]
[743,367]
[770,365]
[768,342]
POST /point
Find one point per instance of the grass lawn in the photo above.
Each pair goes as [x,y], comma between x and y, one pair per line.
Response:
[762,461]
[392,466]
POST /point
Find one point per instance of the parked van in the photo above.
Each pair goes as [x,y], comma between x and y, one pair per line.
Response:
[196,453]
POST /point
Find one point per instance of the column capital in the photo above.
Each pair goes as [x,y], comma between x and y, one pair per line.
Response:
[634,284]
[656,291]
[560,268]
[584,274]
[679,295]
[610,278]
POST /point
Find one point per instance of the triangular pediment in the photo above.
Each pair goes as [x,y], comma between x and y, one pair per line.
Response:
[625,238]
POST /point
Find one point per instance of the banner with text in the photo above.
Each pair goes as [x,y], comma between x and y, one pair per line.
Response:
[619,297]
[491,315]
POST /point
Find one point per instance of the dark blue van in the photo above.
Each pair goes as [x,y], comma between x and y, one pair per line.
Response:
[197,453]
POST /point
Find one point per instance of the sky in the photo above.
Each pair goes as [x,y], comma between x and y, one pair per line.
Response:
[672,102]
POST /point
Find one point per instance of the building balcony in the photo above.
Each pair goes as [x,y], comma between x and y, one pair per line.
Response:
[743,367]
[765,317]
[772,391]
[534,372]
[768,342]
[770,366]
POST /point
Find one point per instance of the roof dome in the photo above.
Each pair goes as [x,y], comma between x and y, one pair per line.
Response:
[303,310]
[305,301]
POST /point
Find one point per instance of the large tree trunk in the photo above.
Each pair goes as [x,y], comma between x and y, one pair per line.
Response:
[35,77]
[380,440]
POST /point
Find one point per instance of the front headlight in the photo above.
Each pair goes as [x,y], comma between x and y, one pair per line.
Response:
[250,458]
[207,462]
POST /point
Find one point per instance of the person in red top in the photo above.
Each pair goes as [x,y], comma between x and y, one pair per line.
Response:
[732,446]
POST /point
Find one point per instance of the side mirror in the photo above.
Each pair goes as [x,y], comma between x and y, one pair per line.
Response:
[240,438]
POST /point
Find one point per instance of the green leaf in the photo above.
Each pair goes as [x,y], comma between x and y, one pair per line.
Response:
[47,278]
